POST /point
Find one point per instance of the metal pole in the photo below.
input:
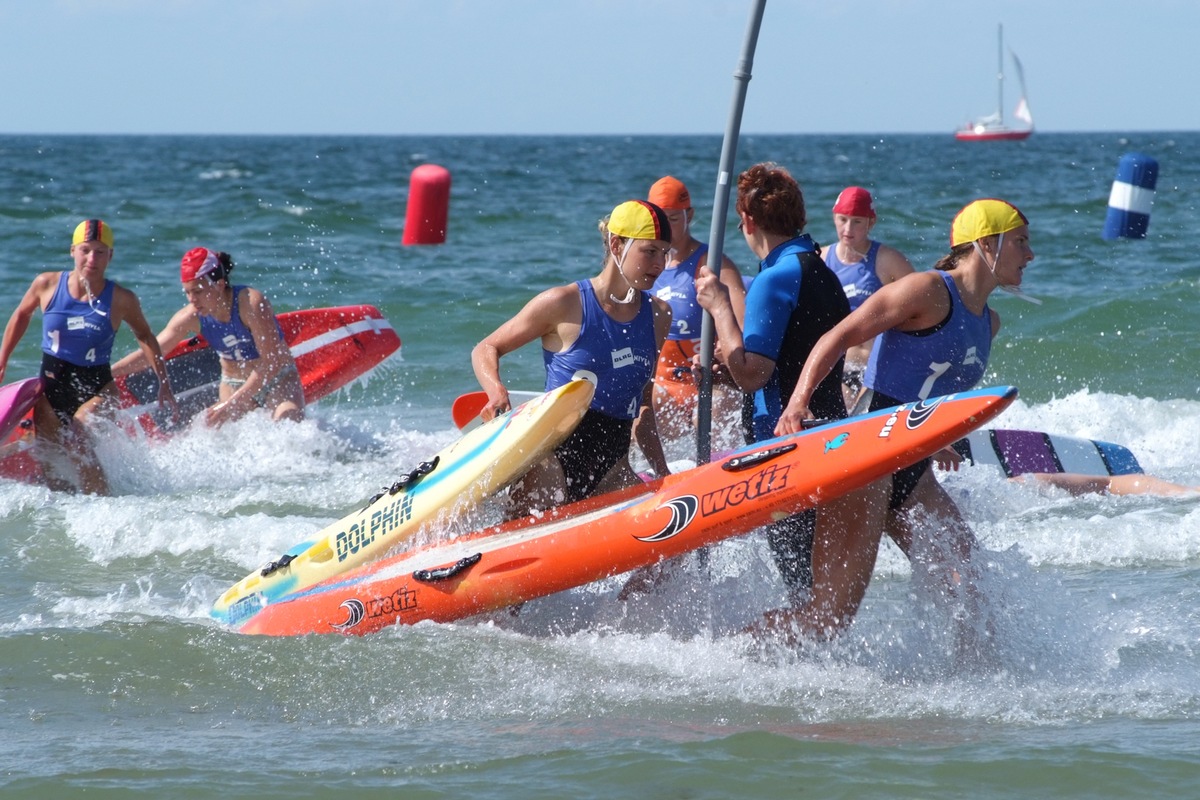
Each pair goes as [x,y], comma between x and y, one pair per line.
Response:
[716,237]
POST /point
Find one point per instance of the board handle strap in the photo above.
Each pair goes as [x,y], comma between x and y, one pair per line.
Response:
[445,573]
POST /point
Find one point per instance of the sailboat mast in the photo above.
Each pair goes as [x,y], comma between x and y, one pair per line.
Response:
[1000,71]
[992,127]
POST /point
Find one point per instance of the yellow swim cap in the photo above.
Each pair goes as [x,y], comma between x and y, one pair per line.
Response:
[986,217]
[93,230]
[639,219]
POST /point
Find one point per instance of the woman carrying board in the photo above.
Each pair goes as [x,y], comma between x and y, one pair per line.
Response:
[608,329]
[935,331]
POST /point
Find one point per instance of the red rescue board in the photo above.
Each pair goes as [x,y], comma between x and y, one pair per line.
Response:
[332,347]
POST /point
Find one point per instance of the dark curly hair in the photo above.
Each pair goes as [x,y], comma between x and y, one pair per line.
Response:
[768,194]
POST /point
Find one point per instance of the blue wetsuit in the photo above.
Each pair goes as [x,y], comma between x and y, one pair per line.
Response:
[619,357]
[793,302]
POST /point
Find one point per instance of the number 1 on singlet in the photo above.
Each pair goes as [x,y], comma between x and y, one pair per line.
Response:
[936,370]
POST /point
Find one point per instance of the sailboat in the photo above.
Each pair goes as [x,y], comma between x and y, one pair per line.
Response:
[992,128]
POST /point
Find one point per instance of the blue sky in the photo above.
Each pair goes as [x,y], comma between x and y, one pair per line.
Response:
[586,66]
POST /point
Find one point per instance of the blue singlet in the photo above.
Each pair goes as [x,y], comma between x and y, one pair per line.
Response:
[859,279]
[949,357]
[677,287]
[77,331]
[620,355]
[232,340]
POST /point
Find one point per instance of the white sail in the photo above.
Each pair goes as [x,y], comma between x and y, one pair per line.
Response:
[1022,112]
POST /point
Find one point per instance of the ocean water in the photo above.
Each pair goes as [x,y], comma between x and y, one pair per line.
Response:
[114,682]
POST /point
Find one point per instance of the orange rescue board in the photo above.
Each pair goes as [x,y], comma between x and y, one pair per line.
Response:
[605,536]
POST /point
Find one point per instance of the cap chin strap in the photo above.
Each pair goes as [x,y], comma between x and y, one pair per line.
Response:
[1016,292]
[629,296]
[1007,287]
[687,234]
[87,287]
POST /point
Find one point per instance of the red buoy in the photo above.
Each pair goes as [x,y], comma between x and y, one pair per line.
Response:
[428,205]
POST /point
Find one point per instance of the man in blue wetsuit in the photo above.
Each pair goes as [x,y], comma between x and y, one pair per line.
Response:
[794,300]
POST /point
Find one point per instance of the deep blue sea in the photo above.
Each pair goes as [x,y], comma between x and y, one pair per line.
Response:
[114,682]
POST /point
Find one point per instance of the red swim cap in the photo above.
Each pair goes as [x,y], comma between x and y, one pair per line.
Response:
[854,201]
[198,263]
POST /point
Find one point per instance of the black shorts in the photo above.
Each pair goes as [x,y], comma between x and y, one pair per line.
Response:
[791,543]
[598,443]
[68,386]
[904,481]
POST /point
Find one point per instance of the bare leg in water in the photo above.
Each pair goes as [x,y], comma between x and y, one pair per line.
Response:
[1114,484]
[846,542]
[74,440]
[931,530]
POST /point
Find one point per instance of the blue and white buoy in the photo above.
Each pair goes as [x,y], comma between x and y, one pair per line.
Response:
[1131,198]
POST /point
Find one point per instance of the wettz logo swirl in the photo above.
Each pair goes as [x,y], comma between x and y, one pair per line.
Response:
[683,511]
[921,412]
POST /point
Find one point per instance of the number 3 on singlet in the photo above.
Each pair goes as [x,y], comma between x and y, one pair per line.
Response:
[936,370]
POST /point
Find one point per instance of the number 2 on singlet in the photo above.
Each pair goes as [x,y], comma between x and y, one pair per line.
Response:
[936,370]
[54,342]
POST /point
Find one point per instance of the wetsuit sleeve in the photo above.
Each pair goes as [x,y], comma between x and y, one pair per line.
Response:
[770,301]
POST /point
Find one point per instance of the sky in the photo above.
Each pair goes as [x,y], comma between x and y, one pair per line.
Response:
[398,67]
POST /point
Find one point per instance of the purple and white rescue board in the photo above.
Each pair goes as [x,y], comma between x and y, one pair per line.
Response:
[1020,452]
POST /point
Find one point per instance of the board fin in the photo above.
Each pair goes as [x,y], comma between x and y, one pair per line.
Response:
[467,407]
